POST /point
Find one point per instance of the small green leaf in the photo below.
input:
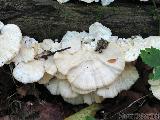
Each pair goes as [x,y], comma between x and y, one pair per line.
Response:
[90,118]
[150,56]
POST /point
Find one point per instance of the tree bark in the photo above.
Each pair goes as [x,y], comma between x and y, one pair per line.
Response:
[49,19]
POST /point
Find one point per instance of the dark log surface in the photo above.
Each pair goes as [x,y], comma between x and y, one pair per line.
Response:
[49,19]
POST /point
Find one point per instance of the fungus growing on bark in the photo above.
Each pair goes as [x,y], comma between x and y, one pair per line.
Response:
[82,68]
[10,42]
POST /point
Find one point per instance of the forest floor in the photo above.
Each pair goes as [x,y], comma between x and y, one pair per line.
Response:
[34,102]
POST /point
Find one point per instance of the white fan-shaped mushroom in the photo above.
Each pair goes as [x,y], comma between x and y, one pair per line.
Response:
[154,82]
[10,41]
[155,90]
[27,52]
[50,66]
[66,90]
[97,70]
[65,61]
[29,72]
[72,39]
[53,87]
[131,47]
[61,87]
[50,45]
[152,41]
[86,37]
[98,31]
[127,78]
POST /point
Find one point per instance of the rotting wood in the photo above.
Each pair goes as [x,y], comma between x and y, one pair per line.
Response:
[49,19]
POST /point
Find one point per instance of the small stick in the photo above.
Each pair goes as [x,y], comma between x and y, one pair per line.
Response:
[51,53]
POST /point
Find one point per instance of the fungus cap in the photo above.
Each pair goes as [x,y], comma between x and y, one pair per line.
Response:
[61,87]
[123,82]
[98,31]
[50,66]
[27,52]
[10,42]
[72,39]
[154,82]
[155,90]
[29,72]
[97,70]
[53,87]
[50,45]
[131,47]
[155,87]
[86,37]
[152,41]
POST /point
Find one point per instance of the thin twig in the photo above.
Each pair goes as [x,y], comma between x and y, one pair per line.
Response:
[51,53]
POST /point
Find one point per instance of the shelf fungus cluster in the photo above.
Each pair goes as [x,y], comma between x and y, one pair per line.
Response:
[103,2]
[85,67]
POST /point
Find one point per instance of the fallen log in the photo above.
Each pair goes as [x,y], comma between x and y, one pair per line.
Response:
[49,19]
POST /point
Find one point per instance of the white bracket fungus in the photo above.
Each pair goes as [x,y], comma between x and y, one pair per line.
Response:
[98,31]
[131,47]
[155,88]
[29,72]
[123,82]
[82,68]
[97,69]
[27,51]
[10,41]
[61,87]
